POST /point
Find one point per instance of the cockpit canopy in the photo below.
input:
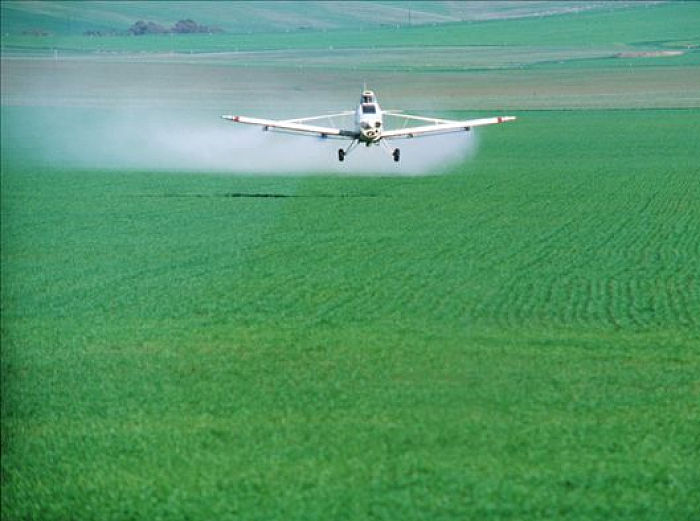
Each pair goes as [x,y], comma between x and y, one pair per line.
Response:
[369,108]
[368,97]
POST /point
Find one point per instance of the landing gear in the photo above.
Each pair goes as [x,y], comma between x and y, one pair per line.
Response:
[395,152]
[342,153]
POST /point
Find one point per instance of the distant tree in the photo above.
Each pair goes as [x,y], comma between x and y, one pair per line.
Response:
[186,26]
[190,26]
[154,28]
[140,28]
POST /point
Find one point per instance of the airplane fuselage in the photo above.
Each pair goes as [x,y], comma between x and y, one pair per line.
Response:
[369,126]
[368,119]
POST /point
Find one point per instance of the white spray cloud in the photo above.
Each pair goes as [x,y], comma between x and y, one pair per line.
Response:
[101,114]
[174,140]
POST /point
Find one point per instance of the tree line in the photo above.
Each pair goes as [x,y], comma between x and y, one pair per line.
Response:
[142,27]
[181,27]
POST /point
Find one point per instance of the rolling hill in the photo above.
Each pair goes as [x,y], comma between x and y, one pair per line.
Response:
[71,17]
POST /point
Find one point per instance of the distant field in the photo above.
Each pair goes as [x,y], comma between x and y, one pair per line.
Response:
[513,334]
[565,61]
[267,86]
[672,26]
[75,17]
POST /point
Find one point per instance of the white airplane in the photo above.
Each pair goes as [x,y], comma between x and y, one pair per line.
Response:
[369,125]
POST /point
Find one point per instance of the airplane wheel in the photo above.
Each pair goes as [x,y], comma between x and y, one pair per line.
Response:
[341,155]
[397,155]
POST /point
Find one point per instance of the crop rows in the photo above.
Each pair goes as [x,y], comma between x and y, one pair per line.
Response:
[514,338]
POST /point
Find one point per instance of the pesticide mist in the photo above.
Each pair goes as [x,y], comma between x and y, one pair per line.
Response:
[113,114]
[163,140]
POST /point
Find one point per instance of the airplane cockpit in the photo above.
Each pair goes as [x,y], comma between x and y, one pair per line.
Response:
[369,108]
[368,102]
[368,97]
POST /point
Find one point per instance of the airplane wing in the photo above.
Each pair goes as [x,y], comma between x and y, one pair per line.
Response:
[298,125]
[439,126]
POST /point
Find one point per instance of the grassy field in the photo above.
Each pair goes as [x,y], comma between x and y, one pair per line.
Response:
[515,338]
[64,18]
[666,26]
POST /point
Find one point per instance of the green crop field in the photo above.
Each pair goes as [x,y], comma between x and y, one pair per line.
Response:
[668,26]
[512,334]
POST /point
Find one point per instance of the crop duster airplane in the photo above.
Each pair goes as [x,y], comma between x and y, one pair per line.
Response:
[369,126]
